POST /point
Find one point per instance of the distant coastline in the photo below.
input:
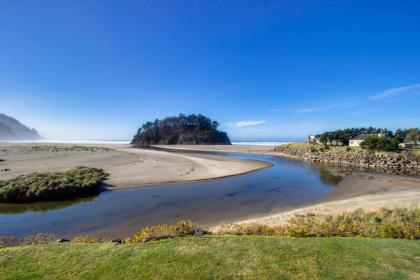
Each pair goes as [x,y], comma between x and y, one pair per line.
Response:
[124,142]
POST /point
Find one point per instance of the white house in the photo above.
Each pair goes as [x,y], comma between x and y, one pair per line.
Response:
[313,139]
[355,142]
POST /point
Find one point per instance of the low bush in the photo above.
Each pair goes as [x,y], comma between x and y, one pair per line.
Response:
[52,185]
[397,223]
[181,228]
[88,239]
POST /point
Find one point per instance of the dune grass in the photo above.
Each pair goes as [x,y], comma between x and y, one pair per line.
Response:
[386,223]
[52,185]
[217,257]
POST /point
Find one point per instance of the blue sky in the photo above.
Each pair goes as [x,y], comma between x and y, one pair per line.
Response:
[265,70]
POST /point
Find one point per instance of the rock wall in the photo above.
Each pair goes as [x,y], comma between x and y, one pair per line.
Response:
[397,163]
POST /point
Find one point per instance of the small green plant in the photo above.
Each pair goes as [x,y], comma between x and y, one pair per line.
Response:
[348,149]
[326,147]
[181,228]
[88,239]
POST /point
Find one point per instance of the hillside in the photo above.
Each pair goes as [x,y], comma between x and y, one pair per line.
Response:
[191,129]
[12,129]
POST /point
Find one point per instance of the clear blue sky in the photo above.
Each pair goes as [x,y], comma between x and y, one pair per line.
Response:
[266,70]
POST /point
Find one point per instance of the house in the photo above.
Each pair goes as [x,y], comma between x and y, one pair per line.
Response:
[313,139]
[355,142]
[407,145]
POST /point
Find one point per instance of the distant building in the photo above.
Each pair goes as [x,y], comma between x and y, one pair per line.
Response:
[313,139]
[355,142]
[407,145]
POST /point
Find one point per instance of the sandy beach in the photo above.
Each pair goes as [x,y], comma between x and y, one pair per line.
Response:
[127,166]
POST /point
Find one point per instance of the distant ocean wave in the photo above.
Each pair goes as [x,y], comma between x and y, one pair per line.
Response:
[260,143]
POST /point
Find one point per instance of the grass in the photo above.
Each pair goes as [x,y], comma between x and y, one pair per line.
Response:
[52,185]
[217,257]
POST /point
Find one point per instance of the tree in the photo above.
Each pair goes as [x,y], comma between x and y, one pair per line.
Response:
[380,143]
[413,135]
[191,129]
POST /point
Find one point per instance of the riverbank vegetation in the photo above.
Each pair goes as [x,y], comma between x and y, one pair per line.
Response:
[385,223]
[181,228]
[52,185]
[217,257]
[191,129]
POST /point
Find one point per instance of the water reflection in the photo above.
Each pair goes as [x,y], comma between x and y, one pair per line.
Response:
[15,208]
[328,175]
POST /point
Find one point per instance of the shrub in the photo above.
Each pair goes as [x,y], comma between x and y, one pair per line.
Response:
[348,148]
[52,185]
[181,228]
[313,150]
[87,239]
[251,228]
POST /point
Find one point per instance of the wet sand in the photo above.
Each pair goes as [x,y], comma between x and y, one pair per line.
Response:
[127,166]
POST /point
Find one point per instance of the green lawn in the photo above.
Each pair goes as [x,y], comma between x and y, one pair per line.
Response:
[218,257]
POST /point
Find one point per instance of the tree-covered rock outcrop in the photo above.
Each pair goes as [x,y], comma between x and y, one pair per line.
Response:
[191,129]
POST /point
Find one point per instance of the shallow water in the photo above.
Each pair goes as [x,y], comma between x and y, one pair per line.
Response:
[119,213]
